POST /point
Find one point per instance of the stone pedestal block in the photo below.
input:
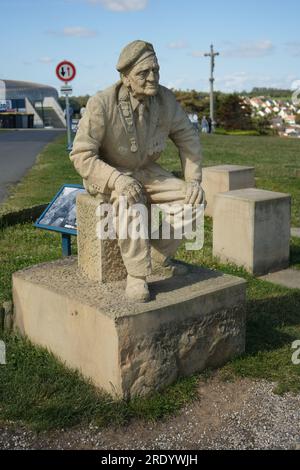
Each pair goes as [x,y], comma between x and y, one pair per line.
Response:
[126,348]
[223,178]
[100,260]
[251,228]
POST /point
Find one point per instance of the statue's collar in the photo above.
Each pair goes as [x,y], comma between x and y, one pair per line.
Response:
[125,95]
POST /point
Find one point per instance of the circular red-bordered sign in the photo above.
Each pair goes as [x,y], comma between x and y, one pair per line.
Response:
[66,71]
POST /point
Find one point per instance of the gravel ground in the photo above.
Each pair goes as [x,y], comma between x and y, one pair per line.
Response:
[228,415]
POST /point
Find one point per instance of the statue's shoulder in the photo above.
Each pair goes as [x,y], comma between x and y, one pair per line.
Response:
[165,91]
[104,99]
[166,95]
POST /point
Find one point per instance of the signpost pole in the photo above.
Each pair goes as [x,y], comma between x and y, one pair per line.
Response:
[68,119]
[66,72]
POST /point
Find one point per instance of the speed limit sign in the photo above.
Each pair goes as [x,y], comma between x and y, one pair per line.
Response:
[66,71]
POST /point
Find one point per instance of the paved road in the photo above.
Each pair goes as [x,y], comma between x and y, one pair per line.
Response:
[18,152]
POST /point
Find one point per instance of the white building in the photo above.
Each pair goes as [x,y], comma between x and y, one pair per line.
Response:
[22,99]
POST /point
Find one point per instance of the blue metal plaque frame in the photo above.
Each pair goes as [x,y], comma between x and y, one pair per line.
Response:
[65,232]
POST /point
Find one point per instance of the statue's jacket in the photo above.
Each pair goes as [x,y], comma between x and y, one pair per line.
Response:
[108,139]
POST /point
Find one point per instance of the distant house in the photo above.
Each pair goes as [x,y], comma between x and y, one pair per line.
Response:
[290,119]
[282,113]
[254,104]
[292,132]
[277,123]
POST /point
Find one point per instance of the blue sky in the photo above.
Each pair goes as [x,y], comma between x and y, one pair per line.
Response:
[258,40]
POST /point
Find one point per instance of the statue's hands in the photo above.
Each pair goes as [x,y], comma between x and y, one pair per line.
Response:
[194,193]
[130,188]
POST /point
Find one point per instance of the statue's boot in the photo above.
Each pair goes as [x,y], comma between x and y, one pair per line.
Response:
[137,289]
[169,268]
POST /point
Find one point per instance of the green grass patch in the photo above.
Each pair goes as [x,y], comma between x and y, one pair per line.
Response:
[295,253]
[220,131]
[38,390]
[275,160]
[52,169]
[23,245]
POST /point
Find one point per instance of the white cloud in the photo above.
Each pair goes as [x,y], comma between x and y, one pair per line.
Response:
[121,5]
[178,45]
[293,48]
[176,84]
[245,50]
[234,82]
[79,32]
[249,50]
[240,81]
[198,54]
[74,31]
[45,60]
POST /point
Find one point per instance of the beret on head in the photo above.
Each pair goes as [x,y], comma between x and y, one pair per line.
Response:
[131,54]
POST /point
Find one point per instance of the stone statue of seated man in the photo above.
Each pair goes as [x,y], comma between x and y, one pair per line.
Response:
[120,138]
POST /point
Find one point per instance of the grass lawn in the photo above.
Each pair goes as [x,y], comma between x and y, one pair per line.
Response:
[37,390]
[43,181]
[275,160]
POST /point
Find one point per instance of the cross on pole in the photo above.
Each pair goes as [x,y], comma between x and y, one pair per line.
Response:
[212,54]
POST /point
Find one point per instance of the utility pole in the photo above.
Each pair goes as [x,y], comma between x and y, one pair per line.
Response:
[212,54]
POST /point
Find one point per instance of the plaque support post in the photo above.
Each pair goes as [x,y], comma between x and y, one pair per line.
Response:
[66,244]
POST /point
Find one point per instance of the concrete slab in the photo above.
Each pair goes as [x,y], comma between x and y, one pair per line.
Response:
[251,228]
[223,178]
[192,322]
[286,278]
[295,232]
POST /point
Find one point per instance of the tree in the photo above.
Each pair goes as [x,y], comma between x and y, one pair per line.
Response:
[271,92]
[262,125]
[297,119]
[233,113]
[76,102]
[193,101]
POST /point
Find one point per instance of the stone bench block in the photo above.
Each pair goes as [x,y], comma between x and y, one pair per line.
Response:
[100,260]
[126,348]
[251,228]
[223,178]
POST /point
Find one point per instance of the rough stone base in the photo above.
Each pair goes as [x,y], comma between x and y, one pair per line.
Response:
[100,260]
[130,349]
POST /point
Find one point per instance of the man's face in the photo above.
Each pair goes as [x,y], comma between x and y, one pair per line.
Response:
[143,79]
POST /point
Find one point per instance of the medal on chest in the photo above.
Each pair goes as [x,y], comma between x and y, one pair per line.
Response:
[127,118]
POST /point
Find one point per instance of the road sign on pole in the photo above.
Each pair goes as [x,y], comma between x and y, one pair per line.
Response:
[66,89]
[66,72]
